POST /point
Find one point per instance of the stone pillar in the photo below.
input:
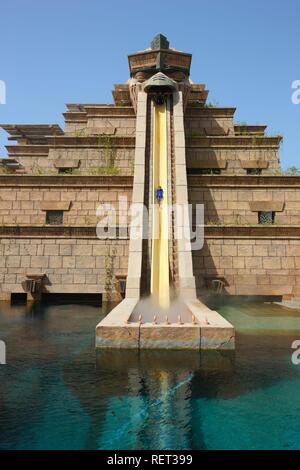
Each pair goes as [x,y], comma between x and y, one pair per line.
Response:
[135,245]
[186,280]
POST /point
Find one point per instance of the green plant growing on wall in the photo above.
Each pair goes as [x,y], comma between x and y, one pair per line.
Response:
[247,133]
[214,222]
[211,104]
[277,172]
[197,104]
[197,134]
[254,140]
[5,171]
[80,133]
[292,170]
[37,169]
[109,274]
[110,153]
[109,149]
[132,167]
[103,170]
[239,219]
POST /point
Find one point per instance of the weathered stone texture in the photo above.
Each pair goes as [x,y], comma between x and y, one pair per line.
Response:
[231,159]
[240,205]
[79,204]
[92,161]
[70,265]
[263,266]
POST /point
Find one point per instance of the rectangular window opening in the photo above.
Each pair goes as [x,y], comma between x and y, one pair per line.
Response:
[54,217]
[65,171]
[266,217]
[254,171]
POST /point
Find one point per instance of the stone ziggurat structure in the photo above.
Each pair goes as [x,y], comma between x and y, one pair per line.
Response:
[54,180]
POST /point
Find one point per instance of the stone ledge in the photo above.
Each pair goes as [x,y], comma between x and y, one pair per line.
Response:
[66,181]
[53,231]
[115,141]
[262,181]
[109,111]
[28,150]
[201,111]
[234,141]
[253,129]
[249,164]
[254,231]
[84,231]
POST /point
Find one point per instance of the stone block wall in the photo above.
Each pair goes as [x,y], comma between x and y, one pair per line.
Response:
[70,265]
[24,205]
[232,205]
[208,125]
[91,120]
[103,126]
[250,266]
[91,159]
[121,126]
[233,159]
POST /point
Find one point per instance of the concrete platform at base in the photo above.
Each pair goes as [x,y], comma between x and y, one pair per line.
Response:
[210,331]
[293,303]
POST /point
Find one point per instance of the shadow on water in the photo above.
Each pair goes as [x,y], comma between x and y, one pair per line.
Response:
[152,393]
[55,393]
[145,394]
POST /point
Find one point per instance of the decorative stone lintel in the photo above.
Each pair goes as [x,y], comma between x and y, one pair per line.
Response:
[267,206]
[249,164]
[35,275]
[234,141]
[62,163]
[55,205]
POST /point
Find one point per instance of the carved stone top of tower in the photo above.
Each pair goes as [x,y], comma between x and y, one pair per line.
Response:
[159,42]
[160,58]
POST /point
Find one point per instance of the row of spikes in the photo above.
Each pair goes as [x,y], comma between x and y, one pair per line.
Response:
[167,322]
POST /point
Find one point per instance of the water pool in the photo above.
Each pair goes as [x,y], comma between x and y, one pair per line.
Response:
[57,394]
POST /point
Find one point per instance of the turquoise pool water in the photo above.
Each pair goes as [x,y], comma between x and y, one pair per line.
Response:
[57,394]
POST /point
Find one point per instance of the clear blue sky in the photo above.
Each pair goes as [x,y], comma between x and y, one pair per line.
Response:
[246,52]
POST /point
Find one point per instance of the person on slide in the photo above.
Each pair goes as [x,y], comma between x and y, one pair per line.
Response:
[159,195]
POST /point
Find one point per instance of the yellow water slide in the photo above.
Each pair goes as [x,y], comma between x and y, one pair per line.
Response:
[160,283]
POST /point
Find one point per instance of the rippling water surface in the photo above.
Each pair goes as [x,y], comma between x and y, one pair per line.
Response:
[56,393]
